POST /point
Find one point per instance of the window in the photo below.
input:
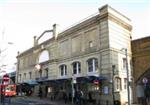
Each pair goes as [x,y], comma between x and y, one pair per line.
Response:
[124,63]
[117,83]
[90,44]
[30,75]
[63,70]
[40,73]
[46,72]
[92,65]
[44,56]
[125,83]
[20,77]
[76,68]
[24,76]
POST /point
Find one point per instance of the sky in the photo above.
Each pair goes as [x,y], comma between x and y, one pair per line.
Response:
[21,20]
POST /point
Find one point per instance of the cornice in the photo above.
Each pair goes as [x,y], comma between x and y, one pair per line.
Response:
[119,22]
[79,26]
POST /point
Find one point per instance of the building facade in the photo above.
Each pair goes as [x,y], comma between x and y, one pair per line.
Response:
[82,57]
[141,68]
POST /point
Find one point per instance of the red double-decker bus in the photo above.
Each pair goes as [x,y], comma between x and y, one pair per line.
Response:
[8,90]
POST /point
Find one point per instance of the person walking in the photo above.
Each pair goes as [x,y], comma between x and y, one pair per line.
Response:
[40,92]
[65,97]
[90,96]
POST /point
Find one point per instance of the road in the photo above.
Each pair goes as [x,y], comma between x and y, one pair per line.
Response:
[20,101]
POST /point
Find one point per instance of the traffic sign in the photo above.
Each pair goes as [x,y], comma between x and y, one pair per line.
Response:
[6,78]
[145,80]
[96,82]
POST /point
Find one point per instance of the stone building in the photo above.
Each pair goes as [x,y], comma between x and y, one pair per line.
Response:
[84,53]
[141,68]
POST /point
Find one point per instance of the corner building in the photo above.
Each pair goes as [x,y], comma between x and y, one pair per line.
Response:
[84,53]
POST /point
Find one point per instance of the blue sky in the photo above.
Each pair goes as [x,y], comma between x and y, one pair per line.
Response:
[20,20]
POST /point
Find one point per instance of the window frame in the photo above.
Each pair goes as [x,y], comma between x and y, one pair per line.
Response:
[124,64]
[118,84]
[30,75]
[46,72]
[25,76]
[92,63]
[76,68]
[125,83]
[63,70]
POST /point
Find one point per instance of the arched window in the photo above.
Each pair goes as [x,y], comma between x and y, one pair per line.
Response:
[63,70]
[92,64]
[76,66]
[44,56]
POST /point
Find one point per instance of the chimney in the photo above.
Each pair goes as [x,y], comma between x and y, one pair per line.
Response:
[35,41]
[55,30]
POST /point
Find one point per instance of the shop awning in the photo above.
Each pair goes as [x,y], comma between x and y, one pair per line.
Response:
[89,79]
[31,82]
[96,78]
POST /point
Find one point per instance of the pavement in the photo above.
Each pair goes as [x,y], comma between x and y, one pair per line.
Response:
[43,101]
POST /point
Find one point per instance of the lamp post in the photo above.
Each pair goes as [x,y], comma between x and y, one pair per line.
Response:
[113,73]
[72,85]
[128,84]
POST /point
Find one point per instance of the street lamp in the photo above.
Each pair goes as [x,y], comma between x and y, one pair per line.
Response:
[128,84]
[72,85]
[113,73]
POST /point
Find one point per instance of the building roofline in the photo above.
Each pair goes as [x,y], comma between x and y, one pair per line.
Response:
[108,6]
[143,38]
[78,25]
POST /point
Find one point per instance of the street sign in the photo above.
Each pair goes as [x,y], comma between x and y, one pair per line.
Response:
[96,82]
[145,80]
[6,78]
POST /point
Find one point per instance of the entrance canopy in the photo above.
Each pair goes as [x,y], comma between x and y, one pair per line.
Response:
[31,82]
[90,79]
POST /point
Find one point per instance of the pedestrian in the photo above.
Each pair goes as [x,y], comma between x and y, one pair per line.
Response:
[90,96]
[82,98]
[76,97]
[65,97]
[40,92]
[79,97]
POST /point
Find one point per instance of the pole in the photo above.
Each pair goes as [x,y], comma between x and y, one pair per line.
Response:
[113,73]
[1,93]
[4,95]
[128,84]
[72,85]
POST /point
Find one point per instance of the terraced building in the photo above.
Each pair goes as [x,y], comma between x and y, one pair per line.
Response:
[87,56]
